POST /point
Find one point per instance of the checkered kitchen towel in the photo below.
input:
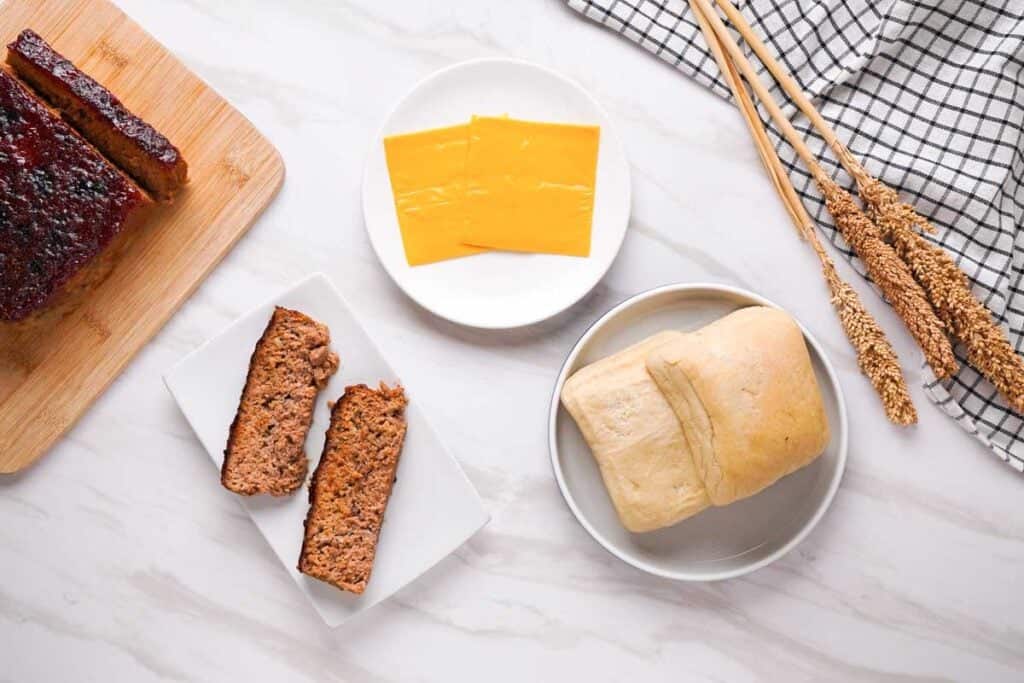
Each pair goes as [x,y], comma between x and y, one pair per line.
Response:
[930,95]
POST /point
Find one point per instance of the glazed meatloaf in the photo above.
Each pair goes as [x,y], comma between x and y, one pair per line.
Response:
[351,486]
[126,139]
[291,363]
[61,202]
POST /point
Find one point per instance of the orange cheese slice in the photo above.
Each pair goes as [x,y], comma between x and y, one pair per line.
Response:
[529,186]
[427,172]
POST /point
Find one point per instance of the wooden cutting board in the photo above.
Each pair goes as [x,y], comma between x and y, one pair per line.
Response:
[52,370]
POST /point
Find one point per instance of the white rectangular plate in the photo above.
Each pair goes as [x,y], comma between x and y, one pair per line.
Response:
[433,508]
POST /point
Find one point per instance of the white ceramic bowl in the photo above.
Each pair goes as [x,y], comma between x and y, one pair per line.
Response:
[721,542]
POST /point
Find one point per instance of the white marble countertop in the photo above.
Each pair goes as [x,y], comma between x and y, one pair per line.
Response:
[123,559]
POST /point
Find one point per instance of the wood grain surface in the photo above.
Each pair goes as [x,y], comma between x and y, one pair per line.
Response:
[53,367]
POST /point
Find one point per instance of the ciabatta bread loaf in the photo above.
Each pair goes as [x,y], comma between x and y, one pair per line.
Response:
[747,399]
[635,438]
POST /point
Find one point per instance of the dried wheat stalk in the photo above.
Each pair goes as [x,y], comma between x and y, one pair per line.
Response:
[947,287]
[875,355]
[891,275]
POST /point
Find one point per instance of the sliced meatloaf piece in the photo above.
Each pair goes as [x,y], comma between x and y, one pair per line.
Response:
[351,486]
[291,363]
[126,139]
[61,202]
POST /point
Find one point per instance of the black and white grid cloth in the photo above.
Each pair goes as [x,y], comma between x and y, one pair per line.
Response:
[930,96]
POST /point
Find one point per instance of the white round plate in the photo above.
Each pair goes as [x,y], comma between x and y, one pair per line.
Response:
[721,542]
[499,290]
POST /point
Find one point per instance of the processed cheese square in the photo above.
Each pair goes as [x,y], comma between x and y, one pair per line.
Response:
[530,185]
[428,181]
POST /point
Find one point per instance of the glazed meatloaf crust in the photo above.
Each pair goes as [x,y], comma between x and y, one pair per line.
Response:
[126,139]
[291,363]
[351,486]
[61,202]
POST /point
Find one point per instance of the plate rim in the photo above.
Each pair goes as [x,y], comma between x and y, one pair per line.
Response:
[690,576]
[608,134]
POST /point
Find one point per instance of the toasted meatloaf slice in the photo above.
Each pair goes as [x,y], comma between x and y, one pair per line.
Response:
[61,202]
[291,363]
[125,138]
[351,486]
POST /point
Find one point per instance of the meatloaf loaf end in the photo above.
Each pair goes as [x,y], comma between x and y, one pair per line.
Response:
[291,363]
[351,486]
[61,202]
[126,139]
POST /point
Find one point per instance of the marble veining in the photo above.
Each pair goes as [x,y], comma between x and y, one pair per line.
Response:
[123,559]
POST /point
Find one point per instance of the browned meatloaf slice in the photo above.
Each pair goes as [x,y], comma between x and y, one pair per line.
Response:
[126,139]
[61,202]
[351,486]
[291,363]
